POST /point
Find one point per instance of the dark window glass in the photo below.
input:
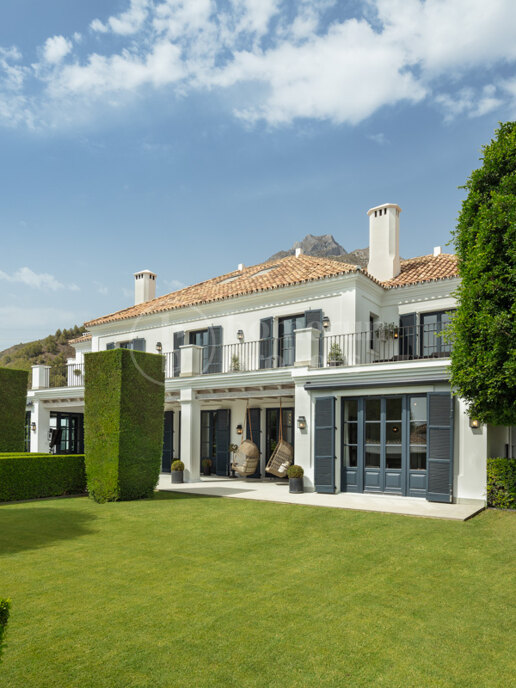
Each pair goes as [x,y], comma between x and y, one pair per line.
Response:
[418,458]
[393,408]
[351,457]
[373,407]
[372,457]
[432,327]
[417,432]
[393,457]
[287,338]
[393,432]
[372,433]
[350,433]
[351,410]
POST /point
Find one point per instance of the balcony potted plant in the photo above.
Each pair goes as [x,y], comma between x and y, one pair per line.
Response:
[335,357]
[235,364]
[295,479]
[206,466]
[177,470]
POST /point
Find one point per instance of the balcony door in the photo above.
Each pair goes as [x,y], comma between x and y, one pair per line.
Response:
[287,338]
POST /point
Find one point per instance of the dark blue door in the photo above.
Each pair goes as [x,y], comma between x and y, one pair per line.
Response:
[168,442]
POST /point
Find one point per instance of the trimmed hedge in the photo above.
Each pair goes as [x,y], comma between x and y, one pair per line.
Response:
[30,476]
[123,423]
[5,607]
[13,400]
[501,483]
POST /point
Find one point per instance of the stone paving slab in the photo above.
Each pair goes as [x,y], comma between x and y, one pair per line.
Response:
[271,491]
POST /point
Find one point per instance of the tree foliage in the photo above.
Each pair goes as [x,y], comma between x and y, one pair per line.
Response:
[484,327]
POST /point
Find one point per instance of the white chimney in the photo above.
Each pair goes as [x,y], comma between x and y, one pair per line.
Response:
[384,241]
[299,252]
[437,250]
[240,267]
[144,286]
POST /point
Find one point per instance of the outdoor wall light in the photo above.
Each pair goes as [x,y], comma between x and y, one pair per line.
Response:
[301,423]
[33,426]
[239,430]
[240,335]
[325,322]
[474,423]
[159,347]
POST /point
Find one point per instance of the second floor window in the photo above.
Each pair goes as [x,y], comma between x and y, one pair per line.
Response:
[287,338]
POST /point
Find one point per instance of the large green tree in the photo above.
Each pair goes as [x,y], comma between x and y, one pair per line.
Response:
[484,327]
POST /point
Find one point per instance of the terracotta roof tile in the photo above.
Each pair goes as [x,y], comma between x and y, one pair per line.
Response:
[263,277]
[281,273]
[82,338]
[425,269]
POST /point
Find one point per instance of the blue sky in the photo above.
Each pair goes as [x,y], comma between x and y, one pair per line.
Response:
[187,136]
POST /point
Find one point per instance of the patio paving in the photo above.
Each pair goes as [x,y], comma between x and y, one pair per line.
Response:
[271,491]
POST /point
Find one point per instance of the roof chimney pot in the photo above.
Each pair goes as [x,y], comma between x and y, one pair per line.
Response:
[299,252]
[384,241]
[437,250]
[240,267]
[144,286]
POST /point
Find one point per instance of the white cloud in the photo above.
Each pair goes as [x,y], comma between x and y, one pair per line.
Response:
[56,48]
[379,138]
[43,281]
[279,63]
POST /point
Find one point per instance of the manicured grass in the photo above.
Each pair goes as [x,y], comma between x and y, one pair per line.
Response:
[196,591]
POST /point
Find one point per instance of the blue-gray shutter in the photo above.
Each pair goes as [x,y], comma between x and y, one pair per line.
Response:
[138,344]
[110,346]
[168,441]
[254,423]
[266,343]
[222,441]
[212,354]
[408,336]
[314,319]
[324,444]
[179,340]
[440,447]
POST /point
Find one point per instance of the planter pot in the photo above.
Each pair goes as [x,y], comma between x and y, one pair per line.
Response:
[295,485]
[177,476]
[206,471]
[334,364]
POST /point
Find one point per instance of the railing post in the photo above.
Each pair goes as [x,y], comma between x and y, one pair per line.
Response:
[307,347]
[40,377]
[191,360]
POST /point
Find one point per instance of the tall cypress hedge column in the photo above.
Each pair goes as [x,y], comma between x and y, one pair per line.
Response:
[13,400]
[123,423]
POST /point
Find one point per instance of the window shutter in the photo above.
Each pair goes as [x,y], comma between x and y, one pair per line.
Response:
[408,341]
[222,440]
[440,448]
[266,343]
[254,423]
[110,346]
[314,319]
[168,441]
[324,444]
[138,344]
[179,340]
[212,354]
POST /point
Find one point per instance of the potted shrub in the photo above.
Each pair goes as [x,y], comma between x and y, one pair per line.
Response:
[295,479]
[235,363]
[335,357]
[206,466]
[177,470]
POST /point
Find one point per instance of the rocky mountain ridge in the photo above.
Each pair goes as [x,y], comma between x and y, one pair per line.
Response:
[325,246]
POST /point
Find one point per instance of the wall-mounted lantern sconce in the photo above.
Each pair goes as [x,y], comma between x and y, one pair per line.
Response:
[240,335]
[325,322]
[240,430]
[33,426]
[159,347]
[474,423]
[396,333]
[301,423]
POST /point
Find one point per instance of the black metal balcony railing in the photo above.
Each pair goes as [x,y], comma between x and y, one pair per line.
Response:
[70,375]
[386,344]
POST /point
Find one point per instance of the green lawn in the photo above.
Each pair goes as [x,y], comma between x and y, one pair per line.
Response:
[196,591]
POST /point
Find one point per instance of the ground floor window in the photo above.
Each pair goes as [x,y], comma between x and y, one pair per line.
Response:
[384,444]
[66,434]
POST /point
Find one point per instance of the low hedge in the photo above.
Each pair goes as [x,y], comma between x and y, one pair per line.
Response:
[5,606]
[30,476]
[501,483]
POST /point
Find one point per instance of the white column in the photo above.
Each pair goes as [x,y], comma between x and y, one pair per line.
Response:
[307,347]
[40,377]
[303,438]
[190,450]
[39,439]
[191,360]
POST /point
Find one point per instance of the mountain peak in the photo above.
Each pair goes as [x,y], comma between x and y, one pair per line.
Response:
[325,246]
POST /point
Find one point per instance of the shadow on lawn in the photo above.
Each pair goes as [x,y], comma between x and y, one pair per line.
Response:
[33,528]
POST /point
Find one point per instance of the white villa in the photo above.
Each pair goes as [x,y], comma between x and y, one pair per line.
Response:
[352,359]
